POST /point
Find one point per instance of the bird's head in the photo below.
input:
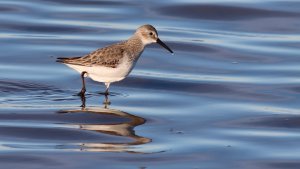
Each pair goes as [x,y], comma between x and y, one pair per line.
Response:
[148,35]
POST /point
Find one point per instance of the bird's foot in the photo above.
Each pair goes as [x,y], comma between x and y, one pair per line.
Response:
[83,105]
[106,102]
[81,93]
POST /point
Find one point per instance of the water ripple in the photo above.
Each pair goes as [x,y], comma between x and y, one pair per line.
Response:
[232,86]
[222,12]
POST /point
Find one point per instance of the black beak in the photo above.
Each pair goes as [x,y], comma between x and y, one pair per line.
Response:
[163,45]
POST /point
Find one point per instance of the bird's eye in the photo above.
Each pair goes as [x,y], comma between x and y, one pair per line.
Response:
[150,33]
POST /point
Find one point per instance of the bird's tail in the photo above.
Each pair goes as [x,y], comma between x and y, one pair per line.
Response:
[65,60]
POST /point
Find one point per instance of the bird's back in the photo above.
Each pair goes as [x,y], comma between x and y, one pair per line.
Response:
[109,56]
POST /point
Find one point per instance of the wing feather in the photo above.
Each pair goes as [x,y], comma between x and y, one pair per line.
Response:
[109,56]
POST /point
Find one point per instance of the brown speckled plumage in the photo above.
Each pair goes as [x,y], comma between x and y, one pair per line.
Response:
[108,56]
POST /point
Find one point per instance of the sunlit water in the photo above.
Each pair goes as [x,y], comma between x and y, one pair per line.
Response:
[228,98]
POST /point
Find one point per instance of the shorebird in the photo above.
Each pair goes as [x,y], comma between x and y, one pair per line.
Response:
[114,63]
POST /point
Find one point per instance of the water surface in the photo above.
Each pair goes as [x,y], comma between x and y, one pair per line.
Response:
[228,98]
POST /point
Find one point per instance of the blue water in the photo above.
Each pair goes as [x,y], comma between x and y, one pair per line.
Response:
[228,98]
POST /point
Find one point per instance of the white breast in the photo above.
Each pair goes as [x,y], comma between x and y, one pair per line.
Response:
[106,74]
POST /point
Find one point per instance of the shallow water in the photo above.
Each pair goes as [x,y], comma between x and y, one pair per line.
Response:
[228,98]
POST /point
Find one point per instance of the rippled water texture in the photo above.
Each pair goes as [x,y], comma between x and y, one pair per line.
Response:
[228,98]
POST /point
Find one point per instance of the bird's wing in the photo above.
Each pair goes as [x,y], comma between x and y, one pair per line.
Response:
[109,56]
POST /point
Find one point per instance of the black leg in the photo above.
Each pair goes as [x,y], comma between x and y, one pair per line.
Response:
[106,92]
[82,92]
[107,89]
[82,101]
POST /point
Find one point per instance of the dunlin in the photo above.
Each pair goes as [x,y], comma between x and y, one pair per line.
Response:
[113,63]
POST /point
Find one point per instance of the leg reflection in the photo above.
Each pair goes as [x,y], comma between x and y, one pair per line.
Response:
[106,101]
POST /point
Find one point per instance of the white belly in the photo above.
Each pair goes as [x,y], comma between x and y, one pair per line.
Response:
[105,74]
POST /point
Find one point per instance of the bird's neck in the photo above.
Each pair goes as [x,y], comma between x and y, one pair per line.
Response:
[136,40]
[135,46]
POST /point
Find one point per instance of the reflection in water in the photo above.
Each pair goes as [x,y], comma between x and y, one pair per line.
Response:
[124,129]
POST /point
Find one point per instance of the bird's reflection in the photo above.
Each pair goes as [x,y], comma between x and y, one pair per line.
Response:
[124,129]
